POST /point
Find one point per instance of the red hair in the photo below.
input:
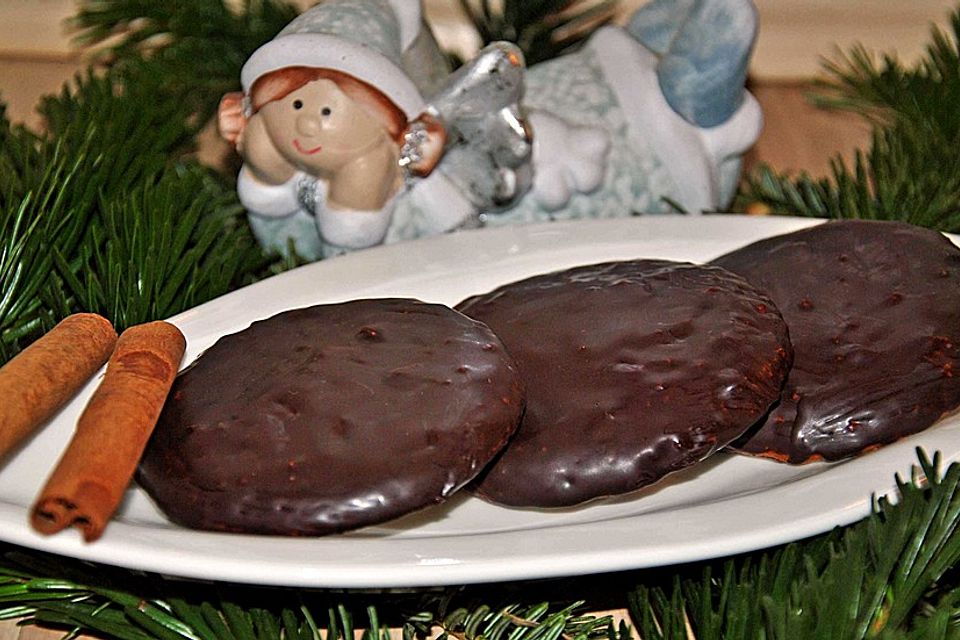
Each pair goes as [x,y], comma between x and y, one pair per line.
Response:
[278,84]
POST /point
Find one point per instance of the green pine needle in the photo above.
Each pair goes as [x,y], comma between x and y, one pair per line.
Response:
[512,622]
[877,578]
[206,250]
[196,48]
[19,159]
[543,29]
[117,604]
[31,224]
[912,170]
[129,131]
[85,207]
[884,91]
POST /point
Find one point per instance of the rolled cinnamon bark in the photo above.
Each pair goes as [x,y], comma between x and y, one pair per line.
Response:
[88,483]
[42,378]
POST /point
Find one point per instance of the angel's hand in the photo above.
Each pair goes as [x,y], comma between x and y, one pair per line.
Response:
[260,155]
[423,145]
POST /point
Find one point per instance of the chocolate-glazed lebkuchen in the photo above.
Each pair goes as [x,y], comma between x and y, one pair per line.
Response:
[873,310]
[332,417]
[633,370]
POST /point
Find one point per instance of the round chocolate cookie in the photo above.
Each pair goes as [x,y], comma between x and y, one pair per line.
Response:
[332,417]
[633,370]
[874,315]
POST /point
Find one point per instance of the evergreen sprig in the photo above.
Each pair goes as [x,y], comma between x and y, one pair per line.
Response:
[195,48]
[19,157]
[912,170]
[543,29]
[884,577]
[85,206]
[207,248]
[884,90]
[513,622]
[81,598]
[30,223]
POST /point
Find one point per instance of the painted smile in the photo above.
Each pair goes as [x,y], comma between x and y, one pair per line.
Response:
[309,152]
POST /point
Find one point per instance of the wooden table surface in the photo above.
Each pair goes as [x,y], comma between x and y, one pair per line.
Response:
[797,137]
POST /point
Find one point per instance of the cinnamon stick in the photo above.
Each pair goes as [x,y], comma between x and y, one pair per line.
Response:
[42,378]
[89,481]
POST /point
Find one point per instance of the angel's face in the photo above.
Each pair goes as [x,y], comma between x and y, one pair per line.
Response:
[319,129]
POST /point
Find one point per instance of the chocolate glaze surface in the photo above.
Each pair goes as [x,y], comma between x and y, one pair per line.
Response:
[874,315]
[633,370]
[332,417]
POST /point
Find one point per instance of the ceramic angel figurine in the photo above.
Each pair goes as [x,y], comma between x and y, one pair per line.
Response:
[353,132]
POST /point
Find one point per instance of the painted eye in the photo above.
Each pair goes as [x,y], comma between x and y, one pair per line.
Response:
[326,111]
[298,104]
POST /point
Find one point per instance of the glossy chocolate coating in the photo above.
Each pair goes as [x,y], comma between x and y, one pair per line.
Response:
[874,315]
[332,417]
[633,370]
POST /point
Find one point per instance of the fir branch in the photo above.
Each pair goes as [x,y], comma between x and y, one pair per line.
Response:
[206,249]
[513,622]
[197,48]
[133,606]
[126,606]
[883,90]
[29,224]
[19,158]
[87,204]
[912,170]
[877,578]
[543,29]
[130,131]
[905,176]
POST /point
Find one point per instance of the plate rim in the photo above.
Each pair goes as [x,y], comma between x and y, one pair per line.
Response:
[129,545]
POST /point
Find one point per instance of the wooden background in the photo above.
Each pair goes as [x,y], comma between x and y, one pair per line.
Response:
[36,58]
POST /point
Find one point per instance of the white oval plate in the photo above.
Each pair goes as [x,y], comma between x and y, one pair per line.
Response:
[727,505]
